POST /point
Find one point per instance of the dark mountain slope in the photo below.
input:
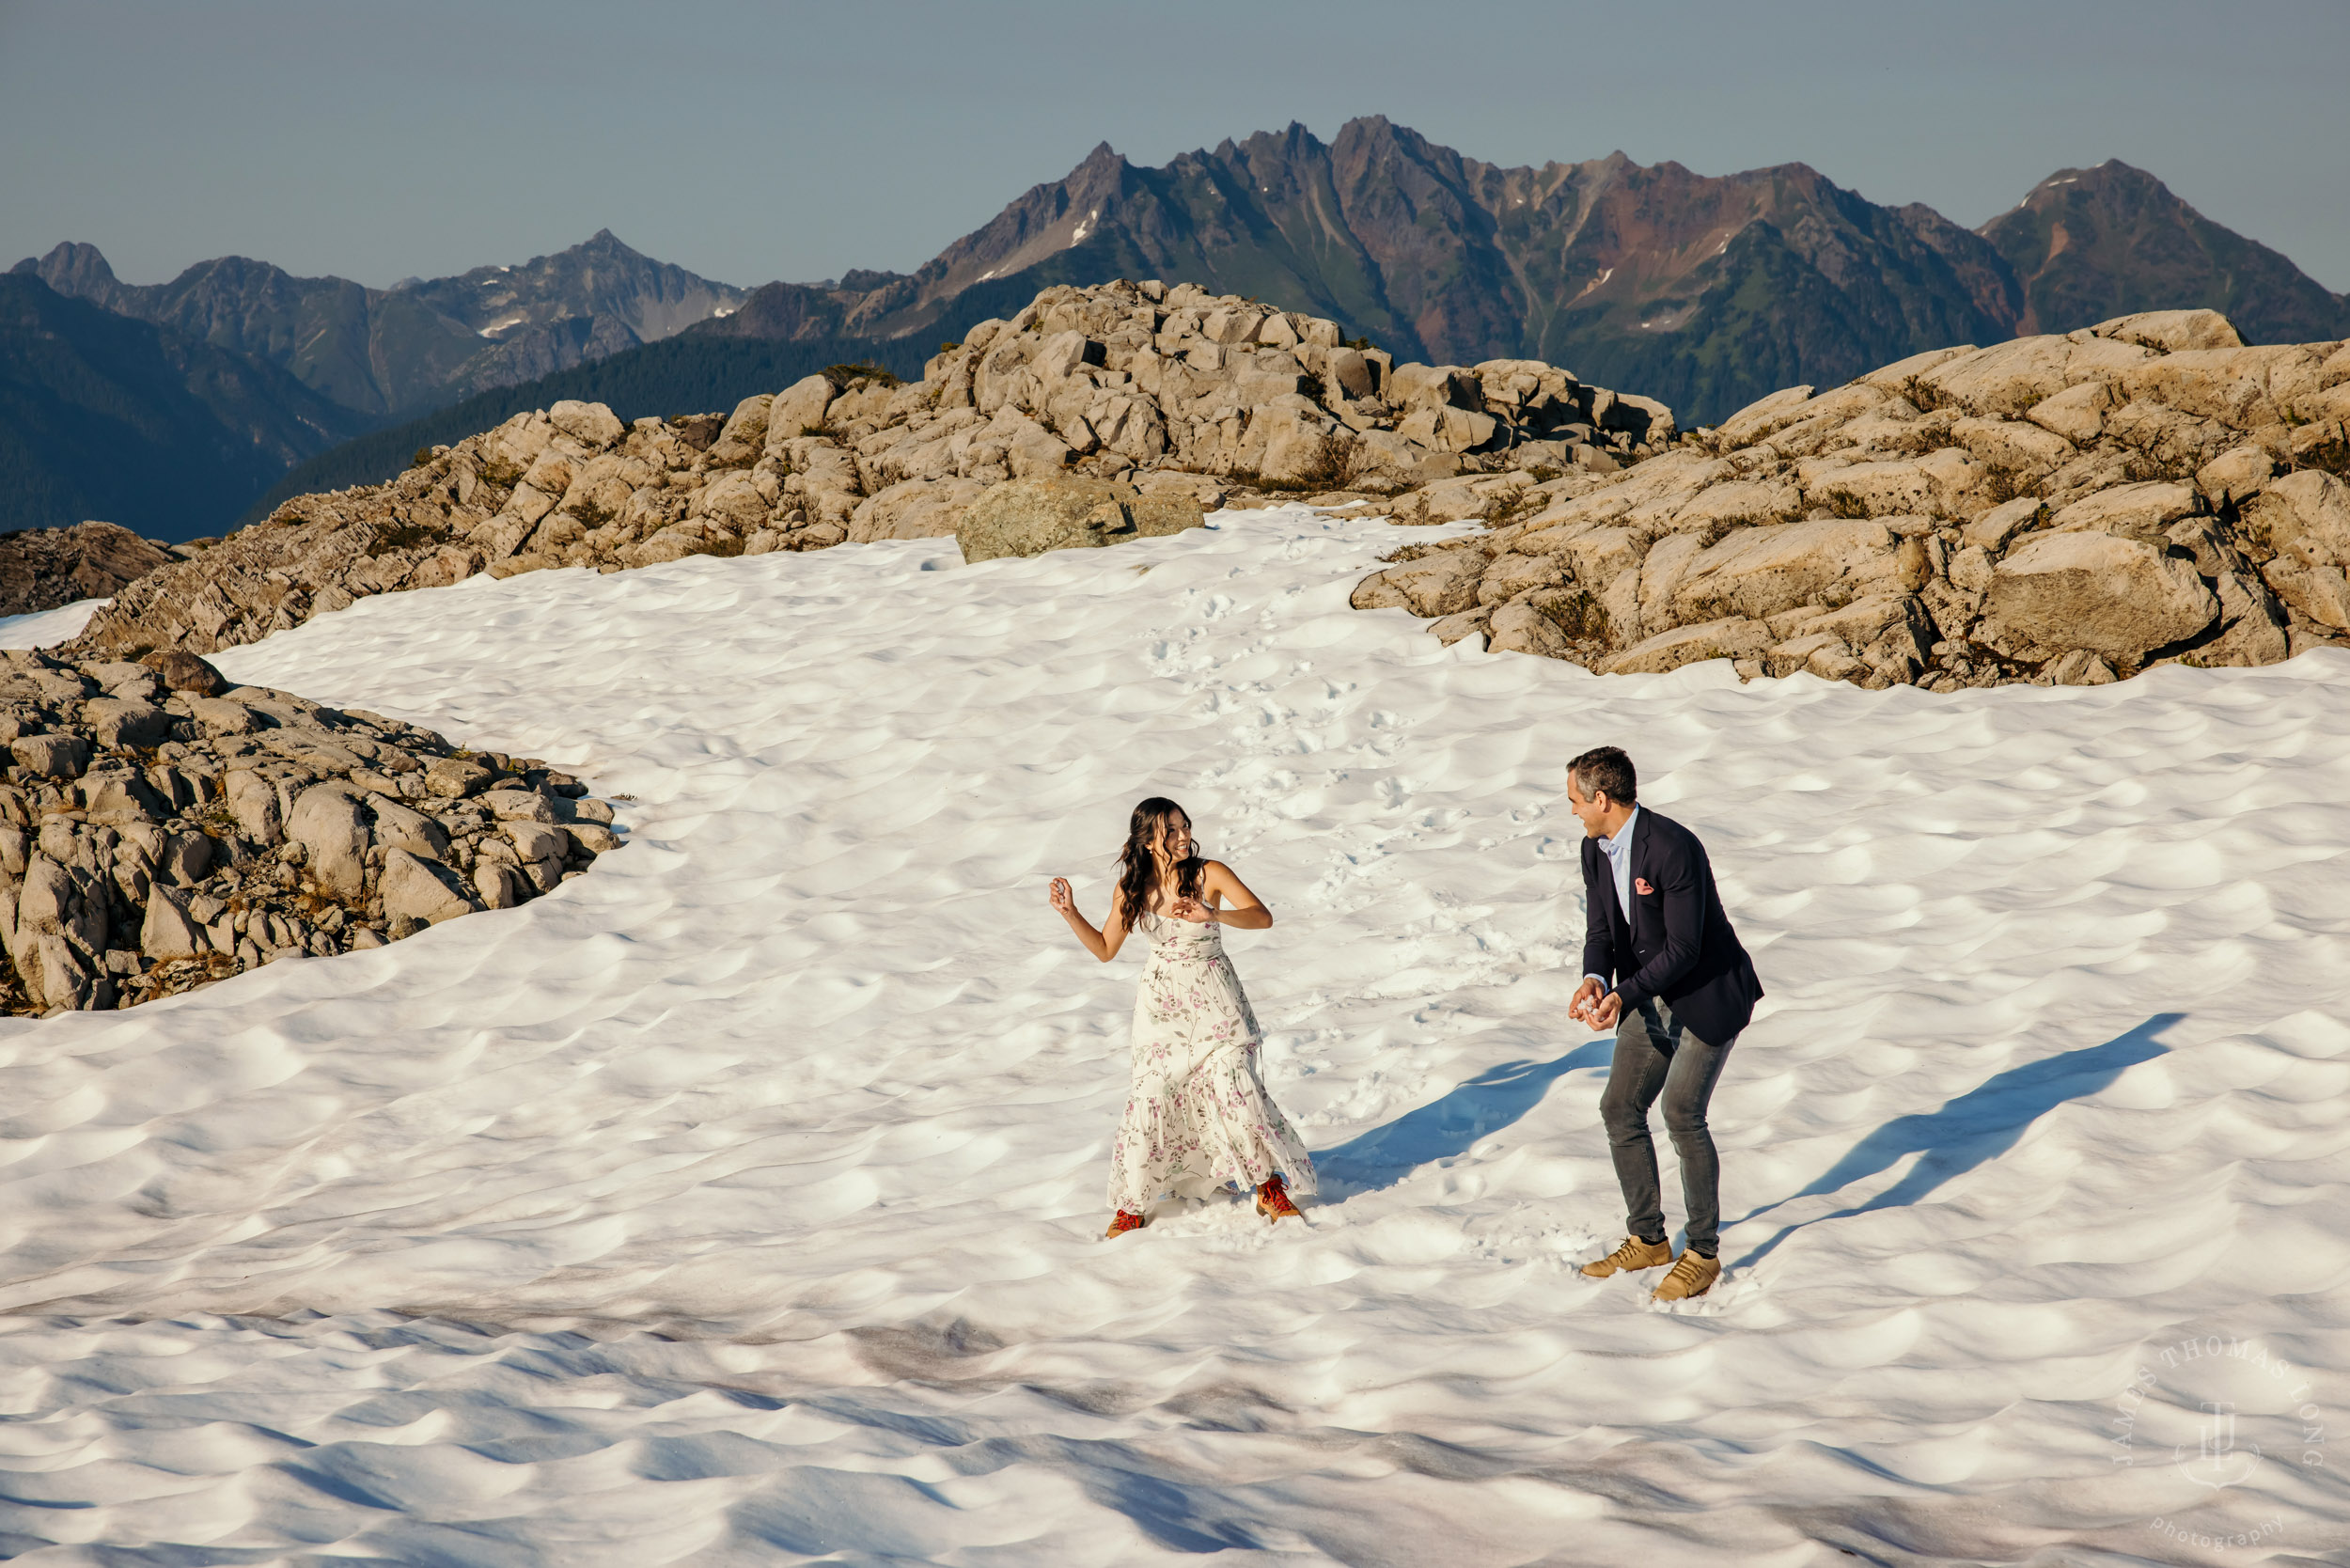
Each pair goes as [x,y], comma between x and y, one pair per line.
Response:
[2090,245]
[102,417]
[688,374]
[421,343]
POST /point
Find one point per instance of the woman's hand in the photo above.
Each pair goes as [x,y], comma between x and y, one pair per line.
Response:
[1059,896]
[1192,910]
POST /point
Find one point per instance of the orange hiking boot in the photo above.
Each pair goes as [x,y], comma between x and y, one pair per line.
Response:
[1123,1221]
[1634,1254]
[1273,1201]
[1691,1276]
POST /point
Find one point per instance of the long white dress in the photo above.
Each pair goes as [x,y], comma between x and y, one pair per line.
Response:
[1199,1115]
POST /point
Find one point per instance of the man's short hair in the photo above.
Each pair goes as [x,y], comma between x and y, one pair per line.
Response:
[1606,770]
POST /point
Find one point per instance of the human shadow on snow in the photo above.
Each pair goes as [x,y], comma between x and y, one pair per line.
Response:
[1976,1126]
[1447,1128]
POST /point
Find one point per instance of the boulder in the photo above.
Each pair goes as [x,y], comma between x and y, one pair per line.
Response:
[398,827]
[118,724]
[1756,572]
[415,888]
[167,932]
[1027,517]
[332,829]
[914,509]
[52,756]
[592,425]
[2171,331]
[2120,598]
[222,716]
[182,671]
[1733,637]
[252,800]
[1441,583]
[2137,509]
[798,410]
[1520,627]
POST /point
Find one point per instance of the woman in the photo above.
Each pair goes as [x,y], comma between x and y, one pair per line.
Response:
[1199,1115]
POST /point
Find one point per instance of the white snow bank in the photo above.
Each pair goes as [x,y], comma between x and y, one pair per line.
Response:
[740,1201]
[48,627]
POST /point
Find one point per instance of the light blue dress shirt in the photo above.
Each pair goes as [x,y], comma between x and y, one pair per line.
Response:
[1618,848]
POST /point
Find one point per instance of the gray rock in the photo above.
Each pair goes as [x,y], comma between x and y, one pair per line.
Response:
[168,932]
[457,776]
[120,723]
[1441,583]
[54,756]
[182,671]
[499,884]
[1027,517]
[332,828]
[398,827]
[253,801]
[2116,597]
[592,837]
[535,840]
[519,806]
[418,889]
[219,716]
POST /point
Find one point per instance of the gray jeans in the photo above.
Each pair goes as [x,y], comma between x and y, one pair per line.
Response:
[1656,1056]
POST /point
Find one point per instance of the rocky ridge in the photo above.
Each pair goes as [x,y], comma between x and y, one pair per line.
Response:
[43,568]
[161,829]
[2067,510]
[1164,389]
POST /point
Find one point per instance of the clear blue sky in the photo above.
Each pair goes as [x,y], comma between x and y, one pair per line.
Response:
[751,142]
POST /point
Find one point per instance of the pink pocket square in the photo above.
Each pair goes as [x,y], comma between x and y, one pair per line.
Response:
[1639,885]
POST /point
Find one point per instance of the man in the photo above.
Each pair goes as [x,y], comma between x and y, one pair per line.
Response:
[1663,970]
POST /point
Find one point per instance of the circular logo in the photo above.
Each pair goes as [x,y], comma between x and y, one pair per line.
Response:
[2216,1409]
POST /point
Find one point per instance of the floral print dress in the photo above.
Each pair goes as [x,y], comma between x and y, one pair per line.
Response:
[1199,1115]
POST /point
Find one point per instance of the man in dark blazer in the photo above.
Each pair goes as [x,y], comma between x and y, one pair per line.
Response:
[1663,968]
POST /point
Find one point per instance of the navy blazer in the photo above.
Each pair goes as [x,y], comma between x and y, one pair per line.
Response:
[1675,942]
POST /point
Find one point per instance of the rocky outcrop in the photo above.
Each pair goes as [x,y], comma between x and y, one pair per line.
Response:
[1162,389]
[2067,510]
[41,568]
[161,829]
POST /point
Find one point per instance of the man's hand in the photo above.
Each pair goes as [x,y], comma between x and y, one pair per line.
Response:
[1604,1013]
[1586,996]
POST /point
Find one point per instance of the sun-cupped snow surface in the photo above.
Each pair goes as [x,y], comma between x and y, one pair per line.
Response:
[741,1201]
[47,627]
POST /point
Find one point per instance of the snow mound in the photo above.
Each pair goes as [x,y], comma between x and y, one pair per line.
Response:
[740,1201]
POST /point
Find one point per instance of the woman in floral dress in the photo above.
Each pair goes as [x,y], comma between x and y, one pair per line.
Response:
[1199,1117]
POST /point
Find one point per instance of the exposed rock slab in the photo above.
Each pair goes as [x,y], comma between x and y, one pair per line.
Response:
[2056,510]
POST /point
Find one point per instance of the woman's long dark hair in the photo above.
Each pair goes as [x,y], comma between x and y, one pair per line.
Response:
[1138,870]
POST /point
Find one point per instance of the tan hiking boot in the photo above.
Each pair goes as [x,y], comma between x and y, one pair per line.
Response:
[1634,1254]
[1692,1274]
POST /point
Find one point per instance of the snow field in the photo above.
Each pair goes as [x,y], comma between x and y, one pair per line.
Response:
[740,1201]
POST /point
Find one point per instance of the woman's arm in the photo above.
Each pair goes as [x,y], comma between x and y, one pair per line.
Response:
[1103,944]
[1247,911]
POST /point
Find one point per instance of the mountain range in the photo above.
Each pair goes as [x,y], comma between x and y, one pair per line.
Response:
[422,342]
[1706,292]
